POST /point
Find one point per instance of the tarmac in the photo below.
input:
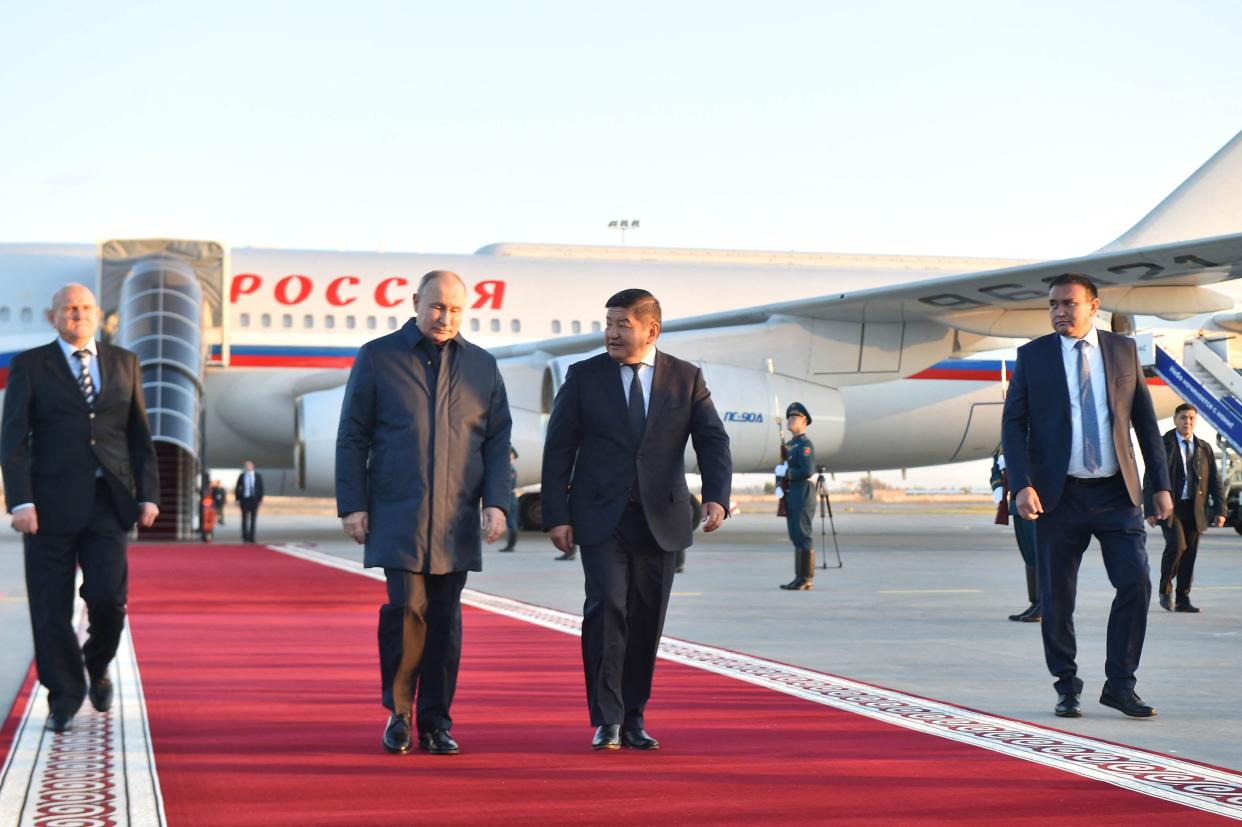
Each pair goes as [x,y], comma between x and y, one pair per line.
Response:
[919,604]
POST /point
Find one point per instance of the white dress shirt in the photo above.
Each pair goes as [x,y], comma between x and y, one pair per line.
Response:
[645,371]
[1103,416]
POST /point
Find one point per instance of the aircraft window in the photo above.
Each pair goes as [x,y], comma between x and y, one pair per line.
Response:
[329,322]
[27,315]
[576,327]
[474,325]
[556,325]
[266,320]
[244,320]
[495,325]
[286,320]
[351,321]
[516,325]
[308,320]
[370,322]
[392,322]
[595,328]
[4,314]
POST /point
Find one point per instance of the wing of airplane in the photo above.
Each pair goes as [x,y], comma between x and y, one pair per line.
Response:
[1165,280]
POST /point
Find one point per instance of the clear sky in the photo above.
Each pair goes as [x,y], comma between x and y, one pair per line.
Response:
[974,128]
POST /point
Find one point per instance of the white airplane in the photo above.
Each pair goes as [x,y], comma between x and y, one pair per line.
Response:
[247,350]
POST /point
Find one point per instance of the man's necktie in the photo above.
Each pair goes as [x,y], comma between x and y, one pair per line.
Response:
[1086,405]
[637,416]
[85,383]
[1190,465]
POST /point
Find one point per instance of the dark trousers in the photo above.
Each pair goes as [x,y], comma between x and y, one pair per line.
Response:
[1181,547]
[1103,511]
[51,562]
[628,579]
[800,514]
[420,644]
[248,515]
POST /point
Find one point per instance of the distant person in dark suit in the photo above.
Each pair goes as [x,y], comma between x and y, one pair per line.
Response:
[1074,397]
[218,498]
[614,482]
[79,471]
[249,495]
[422,457]
[1199,502]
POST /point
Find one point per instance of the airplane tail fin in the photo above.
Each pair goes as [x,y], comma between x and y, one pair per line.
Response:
[1208,203]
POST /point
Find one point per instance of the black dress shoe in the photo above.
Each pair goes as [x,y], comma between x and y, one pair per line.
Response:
[438,742]
[1029,615]
[1185,606]
[638,739]
[798,584]
[397,734]
[59,721]
[1068,705]
[1166,603]
[507,548]
[607,736]
[566,557]
[101,694]
[1127,702]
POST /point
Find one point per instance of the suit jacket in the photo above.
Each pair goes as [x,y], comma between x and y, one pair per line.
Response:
[590,462]
[1036,428]
[52,442]
[256,496]
[1205,485]
[387,458]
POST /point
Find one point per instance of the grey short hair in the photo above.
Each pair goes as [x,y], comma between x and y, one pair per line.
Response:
[438,275]
[58,298]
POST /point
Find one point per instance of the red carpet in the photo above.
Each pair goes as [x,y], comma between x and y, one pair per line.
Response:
[261,683]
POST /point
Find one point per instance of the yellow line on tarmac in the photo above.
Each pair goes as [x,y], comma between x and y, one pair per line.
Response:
[929,591]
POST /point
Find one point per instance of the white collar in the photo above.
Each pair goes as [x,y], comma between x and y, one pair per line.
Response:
[91,347]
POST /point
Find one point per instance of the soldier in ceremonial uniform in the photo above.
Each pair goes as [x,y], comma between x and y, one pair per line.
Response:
[800,501]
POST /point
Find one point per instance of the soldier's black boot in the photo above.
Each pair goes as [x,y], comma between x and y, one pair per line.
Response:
[802,578]
[808,569]
[1032,613]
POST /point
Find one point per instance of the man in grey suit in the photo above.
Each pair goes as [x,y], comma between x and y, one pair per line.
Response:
[1074,397]
[614,480]
[423,441]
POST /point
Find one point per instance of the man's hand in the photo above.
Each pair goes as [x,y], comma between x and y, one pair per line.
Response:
[357,525]
[1151,519]
[147,512]
[493,523]
[1162,505]
[26,520]
[711,515]
[1029,506]
[1219,521]
[563,538]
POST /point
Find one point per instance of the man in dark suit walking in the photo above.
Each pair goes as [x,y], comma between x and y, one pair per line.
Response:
[1199,501]
[614,483]
[1074,396]
[423,442]
[79,471]
[249,495]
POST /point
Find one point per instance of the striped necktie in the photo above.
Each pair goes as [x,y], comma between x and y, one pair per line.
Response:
[85,383]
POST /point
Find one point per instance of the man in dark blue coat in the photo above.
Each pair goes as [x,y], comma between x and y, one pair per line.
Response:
[1075,395]
[423,441]
[614,482]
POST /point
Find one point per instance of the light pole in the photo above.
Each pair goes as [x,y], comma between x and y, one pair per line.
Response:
[623,226]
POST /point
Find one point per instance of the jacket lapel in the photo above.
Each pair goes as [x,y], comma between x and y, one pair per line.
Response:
[1056,359]
[659,390]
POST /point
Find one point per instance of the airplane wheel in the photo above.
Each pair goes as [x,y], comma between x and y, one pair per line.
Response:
[530,512]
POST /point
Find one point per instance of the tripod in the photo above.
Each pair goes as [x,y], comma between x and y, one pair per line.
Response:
[825,507]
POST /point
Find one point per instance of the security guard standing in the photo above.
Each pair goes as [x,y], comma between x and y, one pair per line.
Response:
[800,501]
